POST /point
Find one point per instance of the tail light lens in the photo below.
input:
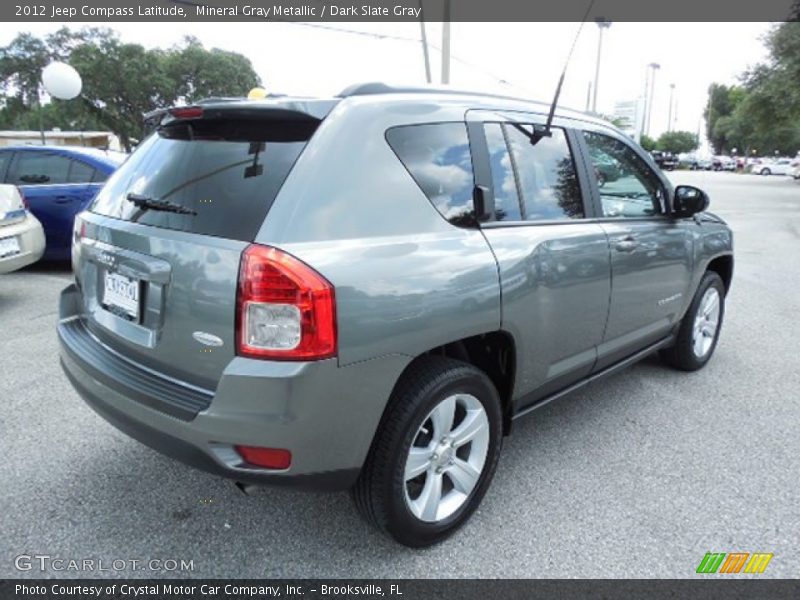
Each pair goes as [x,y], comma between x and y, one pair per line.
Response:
[285,309]
[23,198]
[187,112]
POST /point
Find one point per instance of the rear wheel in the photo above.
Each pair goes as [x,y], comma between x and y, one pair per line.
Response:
[434,454]
[699,330]
[765,171]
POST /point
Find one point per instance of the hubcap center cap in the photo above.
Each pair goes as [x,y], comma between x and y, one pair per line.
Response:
[443,456]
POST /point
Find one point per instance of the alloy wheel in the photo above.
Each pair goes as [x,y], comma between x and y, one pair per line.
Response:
[446,458]
[706,323]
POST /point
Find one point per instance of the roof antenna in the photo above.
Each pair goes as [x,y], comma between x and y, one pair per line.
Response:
[539,133]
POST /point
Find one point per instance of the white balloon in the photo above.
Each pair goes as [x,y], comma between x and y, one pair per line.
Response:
[61,81]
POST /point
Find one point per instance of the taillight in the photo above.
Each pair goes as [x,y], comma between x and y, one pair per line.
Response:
[78,230]
[285,310]
[187,112]
[23,198]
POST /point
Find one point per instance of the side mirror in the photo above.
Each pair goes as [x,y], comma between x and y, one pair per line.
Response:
[688,201]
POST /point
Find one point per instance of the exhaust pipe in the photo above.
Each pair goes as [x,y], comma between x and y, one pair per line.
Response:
[245,488]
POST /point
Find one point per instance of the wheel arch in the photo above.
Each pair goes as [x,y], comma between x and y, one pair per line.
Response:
[723,266]
[492,352]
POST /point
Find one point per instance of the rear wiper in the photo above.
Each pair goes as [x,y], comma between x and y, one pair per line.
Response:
[146,203]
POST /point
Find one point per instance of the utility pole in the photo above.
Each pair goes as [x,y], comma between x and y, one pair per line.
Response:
[653,68]
[424,40]
[671,99]
[602,24]
[446,44]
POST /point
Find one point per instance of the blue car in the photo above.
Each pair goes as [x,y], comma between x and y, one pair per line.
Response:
[57,182]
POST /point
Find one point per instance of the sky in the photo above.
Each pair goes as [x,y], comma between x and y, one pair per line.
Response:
[518,59]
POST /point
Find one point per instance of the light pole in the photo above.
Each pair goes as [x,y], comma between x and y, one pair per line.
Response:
[588,96]
[602,24]
[653,66]
[671,97]
[424,40]
[446,43]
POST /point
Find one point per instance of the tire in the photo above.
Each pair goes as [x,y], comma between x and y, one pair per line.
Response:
[690,353]
[384,495]
[765,172]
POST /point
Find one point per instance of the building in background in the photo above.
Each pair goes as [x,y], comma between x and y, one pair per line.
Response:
[89,139]
[629,116]
[625,115]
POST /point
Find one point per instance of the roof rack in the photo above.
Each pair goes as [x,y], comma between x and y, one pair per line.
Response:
[378,87]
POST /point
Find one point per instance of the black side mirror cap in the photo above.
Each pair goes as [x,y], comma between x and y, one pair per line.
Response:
[688,201]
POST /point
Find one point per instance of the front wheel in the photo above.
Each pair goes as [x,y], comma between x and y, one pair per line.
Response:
[699,330]
[434,454]
[765,171]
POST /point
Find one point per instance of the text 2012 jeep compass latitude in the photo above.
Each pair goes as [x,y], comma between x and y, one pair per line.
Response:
[364,292]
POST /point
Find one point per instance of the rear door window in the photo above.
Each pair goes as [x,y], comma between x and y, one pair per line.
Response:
[39,168]
[548,181]
[221,176]
[437,156]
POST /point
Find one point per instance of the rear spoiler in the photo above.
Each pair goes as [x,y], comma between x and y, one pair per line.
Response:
[277,108]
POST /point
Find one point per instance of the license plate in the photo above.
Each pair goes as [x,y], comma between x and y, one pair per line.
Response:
[9,246]
[121,294]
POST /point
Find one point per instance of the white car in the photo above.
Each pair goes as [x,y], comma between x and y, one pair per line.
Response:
[21,234]
[796,172]
[781,166]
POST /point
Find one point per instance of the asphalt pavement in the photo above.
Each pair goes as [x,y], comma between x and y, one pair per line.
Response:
[638,475]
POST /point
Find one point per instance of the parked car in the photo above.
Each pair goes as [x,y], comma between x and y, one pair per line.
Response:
[781,166]
[694,162]
[21,235]
[385,288]
[58,182]
[665,160]
[606,170]
[723,163]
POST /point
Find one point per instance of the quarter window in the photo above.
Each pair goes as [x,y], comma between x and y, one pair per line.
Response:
[546,175]
[438,158]
[506,198]
[628,186]
[80,172]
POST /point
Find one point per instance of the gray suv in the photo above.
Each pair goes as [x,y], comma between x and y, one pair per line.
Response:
[365,292]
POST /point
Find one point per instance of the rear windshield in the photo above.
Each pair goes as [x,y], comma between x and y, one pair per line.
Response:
[220,176]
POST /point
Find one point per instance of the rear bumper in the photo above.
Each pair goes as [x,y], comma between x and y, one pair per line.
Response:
[325,415]
[30,236]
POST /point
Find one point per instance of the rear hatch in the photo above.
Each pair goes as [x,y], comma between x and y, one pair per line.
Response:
[157,255]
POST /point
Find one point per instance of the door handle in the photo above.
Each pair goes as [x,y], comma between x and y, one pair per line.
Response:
[626,244]
[64,199]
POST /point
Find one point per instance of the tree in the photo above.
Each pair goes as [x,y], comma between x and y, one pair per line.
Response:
[121,81]
[199,73]
[764,112]
[677,142]
[722,101]
[647,143]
